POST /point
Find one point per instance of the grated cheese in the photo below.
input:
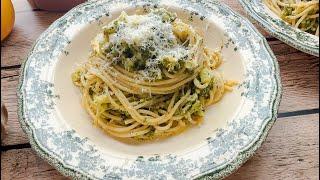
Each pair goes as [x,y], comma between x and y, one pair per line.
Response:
[152,33]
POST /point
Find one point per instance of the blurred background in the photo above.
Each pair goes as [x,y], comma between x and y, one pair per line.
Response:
[8,12]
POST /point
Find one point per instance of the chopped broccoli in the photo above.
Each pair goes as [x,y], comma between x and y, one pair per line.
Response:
[76,76]
[169,63]
[206,75]
[197,108]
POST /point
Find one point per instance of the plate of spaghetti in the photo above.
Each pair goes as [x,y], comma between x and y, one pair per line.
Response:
[295,22]
[149,90]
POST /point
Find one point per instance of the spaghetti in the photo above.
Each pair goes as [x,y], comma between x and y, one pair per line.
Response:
[302,14]
[149,76]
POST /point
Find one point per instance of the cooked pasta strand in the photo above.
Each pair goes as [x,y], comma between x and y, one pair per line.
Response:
[133,98]
[302,14]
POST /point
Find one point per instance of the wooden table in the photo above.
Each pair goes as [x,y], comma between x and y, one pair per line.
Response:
[291,150]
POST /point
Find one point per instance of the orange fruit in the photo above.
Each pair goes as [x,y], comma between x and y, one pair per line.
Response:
[7,18]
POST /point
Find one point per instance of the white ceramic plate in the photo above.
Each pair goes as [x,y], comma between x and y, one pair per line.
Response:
[61,132]
[294,37]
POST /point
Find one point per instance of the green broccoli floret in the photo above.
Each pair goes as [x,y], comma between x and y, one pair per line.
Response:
[206,75]
[287,11]
[206,91]
[197,108]
[169,63]
[76,76]
[166,16]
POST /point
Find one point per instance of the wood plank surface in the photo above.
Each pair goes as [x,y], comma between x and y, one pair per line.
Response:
[25,164]
[299,75]
[14,135]
[293,157]
[28,27]
[11,72]
[291,151]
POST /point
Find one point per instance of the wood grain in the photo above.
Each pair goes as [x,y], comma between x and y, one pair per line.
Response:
[6,73]
[25,164]
[14,135]
[300,78]
[16,47]
[291,151]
